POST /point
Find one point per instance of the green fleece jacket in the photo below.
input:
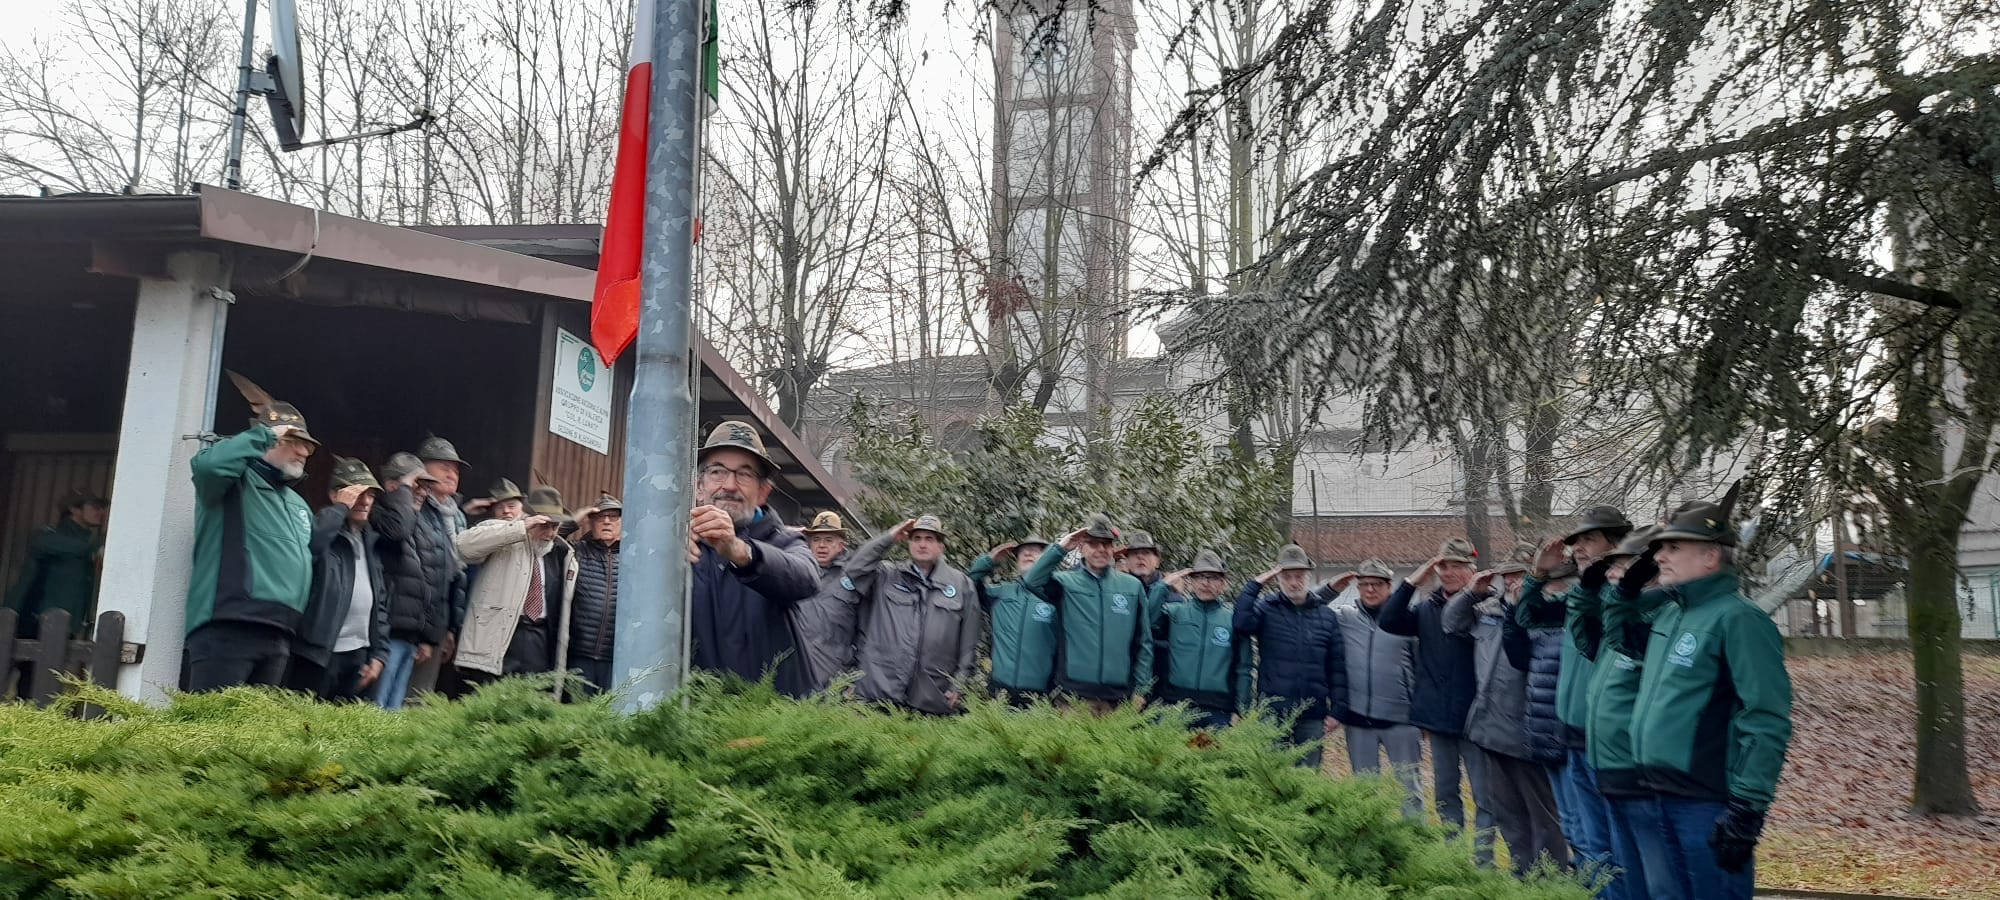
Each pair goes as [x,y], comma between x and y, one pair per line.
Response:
[1024,629]
[1200,659]
[1714,712]
[1106,651]
[252,538]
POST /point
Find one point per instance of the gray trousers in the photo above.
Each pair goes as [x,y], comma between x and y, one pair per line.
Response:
[1405,746]
[1447,754]
[1524,805]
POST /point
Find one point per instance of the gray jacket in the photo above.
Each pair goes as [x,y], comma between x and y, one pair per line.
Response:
[825,624]
[1380,670]
[919,634]
[1498,720]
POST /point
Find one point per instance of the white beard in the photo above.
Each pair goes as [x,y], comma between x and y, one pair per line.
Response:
[293,471]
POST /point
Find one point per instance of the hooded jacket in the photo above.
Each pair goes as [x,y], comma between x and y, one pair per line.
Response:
[1106,651]
[1444,685]
[919,631]
[1024,630]
[334,549]
[827,623]
[1301,656]
[1497,718]
[252,537]
[1714,713]
[741,617]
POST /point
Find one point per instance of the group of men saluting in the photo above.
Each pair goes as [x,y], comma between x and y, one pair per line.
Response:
[1611,696]
[1615,702]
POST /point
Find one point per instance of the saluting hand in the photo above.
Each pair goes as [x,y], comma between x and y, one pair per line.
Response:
[1423,573]
[1004,550]
[902,530]
[349,495]
[1551,557]
[1174,580]
[1483,581]
[1342,580]
[1072,539]
[1267,576]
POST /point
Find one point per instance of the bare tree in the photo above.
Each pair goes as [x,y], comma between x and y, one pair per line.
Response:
[797,211]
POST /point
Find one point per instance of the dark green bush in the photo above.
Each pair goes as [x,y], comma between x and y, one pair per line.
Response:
[260,794]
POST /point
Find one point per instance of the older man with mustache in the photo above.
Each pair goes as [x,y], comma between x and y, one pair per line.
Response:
[749,569]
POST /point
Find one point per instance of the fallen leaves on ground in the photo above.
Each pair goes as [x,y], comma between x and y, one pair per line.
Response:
[1842,819]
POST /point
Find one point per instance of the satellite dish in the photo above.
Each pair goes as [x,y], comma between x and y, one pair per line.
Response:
[286,66]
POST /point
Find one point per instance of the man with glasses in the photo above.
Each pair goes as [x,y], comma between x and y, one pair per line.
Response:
[749,569]
[252,548]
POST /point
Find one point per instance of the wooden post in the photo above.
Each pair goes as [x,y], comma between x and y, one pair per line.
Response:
[103,657]
[51,657]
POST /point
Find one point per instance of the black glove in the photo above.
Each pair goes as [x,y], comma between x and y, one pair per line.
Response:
[1593,578]
[1640,573]
[1734,839]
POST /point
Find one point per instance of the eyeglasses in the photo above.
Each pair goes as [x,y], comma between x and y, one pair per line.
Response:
[717,473]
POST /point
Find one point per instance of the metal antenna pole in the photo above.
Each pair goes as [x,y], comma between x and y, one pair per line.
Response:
[232,169]
[659,433]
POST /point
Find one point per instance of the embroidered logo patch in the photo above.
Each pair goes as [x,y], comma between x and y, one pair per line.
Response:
[847,582]
[1683,652]
[950,591]
[1045,612]
[1121,604]
[1219,637]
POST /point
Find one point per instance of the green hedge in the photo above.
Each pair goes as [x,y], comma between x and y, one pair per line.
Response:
[262,794]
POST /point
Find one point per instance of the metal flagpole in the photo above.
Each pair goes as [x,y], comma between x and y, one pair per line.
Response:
[659,433]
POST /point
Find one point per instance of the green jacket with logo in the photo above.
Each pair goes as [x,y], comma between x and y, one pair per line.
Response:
[1199,659]
[1714,711]
[1024,630]
[1106,651]
[252,537]
[1613,629]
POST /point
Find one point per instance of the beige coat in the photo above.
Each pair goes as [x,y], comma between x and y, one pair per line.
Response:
[506,559]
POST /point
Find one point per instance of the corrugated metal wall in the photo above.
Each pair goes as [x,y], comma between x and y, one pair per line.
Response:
[42,471]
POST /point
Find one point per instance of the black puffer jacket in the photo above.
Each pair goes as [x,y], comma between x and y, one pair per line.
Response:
[417,568]
[594,612]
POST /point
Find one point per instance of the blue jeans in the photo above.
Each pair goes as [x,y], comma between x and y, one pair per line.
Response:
[1649,863]
[1688,825]
[1586,821]
[394,684]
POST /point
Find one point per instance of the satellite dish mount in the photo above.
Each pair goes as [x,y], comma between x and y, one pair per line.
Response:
[282,82]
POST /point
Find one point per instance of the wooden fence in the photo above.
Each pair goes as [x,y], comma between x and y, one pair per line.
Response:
[44,659]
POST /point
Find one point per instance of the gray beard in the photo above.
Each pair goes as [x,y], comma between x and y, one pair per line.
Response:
[293,471]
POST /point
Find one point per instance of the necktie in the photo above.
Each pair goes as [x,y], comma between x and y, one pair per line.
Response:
[532,610]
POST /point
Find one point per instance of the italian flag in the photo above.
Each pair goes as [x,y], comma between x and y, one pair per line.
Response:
[614,312]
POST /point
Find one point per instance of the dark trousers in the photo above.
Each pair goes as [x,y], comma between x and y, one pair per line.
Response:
[1016,697]
[1524,807]
[596,675]
[1209,718]
[527,654]
[226,654]
[1310,732]
[338,679]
